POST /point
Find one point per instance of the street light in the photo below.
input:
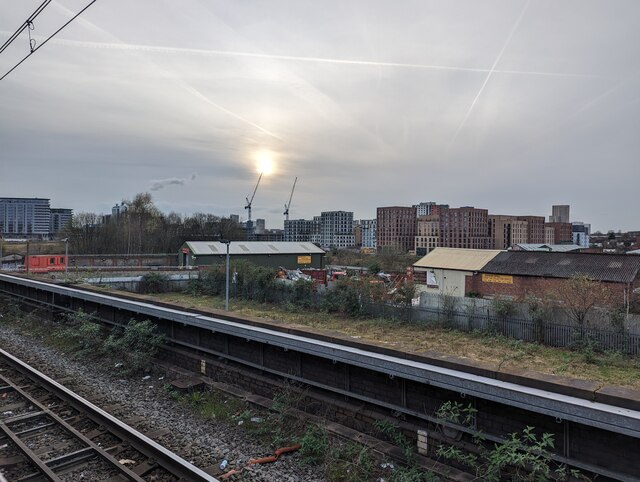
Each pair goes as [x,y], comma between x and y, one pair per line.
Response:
[66,255]
[226,301]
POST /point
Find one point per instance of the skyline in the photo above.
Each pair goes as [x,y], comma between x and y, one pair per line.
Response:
[510,106]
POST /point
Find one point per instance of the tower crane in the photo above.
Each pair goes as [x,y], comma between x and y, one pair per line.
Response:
[248,206]
[286,206]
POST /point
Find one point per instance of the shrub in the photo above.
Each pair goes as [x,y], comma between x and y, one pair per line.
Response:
[81,334]
[136,344]
[154,283]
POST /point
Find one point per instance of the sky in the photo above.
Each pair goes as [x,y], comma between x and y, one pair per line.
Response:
[508,105]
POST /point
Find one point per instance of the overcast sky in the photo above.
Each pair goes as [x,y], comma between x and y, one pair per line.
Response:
[509,105]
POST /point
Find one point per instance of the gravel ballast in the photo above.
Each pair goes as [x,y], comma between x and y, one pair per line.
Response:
[205,443]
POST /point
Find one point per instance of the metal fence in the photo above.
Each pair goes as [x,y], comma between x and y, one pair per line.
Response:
[544,332]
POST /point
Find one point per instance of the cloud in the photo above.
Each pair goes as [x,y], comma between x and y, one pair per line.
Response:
[157,184]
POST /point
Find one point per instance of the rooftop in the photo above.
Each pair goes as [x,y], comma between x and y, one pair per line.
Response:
[252,247]
[560,248]
[457,259]
[617,268]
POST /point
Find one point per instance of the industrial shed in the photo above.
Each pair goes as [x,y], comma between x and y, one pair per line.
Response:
[519,273]
[445,270]
[290,255]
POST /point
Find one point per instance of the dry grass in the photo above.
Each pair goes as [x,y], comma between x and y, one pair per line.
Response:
[495,352]
[35,247]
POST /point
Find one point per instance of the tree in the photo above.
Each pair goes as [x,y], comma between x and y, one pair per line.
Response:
[580,294]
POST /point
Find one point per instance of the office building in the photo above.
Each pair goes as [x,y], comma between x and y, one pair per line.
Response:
[25,217]
[559,214]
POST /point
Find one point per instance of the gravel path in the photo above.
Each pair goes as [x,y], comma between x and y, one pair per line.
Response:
[202,442]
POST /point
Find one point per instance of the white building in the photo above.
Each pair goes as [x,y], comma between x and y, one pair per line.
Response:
[336,229]
[445,270]
[368,227]
[580,233]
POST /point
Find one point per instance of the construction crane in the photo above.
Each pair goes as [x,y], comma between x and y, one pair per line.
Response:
[286,206]
[248,206]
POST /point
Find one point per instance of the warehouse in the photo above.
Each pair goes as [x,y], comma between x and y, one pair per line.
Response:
[446,270]
[290,255]
[520,273]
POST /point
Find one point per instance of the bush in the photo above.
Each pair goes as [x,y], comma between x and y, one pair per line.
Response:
[135,345]
[154,283]
[344,298]
[81,335]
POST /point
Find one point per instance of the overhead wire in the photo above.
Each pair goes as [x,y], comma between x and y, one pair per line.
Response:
[28,23]
[34,50]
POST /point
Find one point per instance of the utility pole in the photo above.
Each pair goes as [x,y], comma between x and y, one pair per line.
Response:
[226,299]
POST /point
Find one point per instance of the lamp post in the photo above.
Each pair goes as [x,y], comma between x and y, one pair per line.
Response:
[226,300]
[66,255]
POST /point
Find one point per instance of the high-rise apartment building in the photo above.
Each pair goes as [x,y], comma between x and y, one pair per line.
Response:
[60,218]
[118,210]
[427,234]
[260,226]
[562,232]
[25,217]
[559,214]
[336,229]
[465,227]
[505,231]
[535,228]
[298,230]
[429,208]
[396,227]
[368,229]
[580,234]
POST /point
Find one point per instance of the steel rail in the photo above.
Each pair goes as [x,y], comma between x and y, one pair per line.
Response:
[565,407]
[151,449]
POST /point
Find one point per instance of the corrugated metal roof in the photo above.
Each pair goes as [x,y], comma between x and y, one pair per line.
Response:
[457,259]
[203,248]
[560,248]
[617,268]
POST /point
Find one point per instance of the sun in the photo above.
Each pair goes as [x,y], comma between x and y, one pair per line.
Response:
[265,162]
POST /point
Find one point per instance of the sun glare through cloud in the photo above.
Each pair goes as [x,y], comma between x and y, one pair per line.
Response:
[265,163]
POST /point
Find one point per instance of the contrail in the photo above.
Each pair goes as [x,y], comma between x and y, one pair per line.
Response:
[490,73]
[181,82]
[370,63]
[200,95]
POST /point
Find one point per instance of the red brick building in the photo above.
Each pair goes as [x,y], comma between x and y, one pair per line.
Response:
[561,233]
[518,274]
[396,227]
[465,227]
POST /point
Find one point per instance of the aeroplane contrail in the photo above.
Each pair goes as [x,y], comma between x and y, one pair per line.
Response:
[370,63]
[490,73]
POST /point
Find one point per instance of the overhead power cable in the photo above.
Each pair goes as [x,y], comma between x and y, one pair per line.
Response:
[28,23]
[34,50]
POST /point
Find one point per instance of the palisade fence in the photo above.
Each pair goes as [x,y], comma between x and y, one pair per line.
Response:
[479,315]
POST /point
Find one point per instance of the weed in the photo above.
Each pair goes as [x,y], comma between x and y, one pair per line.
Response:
[136,344]
[314,445]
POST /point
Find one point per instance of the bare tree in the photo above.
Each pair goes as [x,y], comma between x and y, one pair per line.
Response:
[580,294]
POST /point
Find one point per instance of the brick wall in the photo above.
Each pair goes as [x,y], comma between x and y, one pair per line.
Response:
[523,286]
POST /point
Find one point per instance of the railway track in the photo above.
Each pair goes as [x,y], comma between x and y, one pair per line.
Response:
[47,432]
